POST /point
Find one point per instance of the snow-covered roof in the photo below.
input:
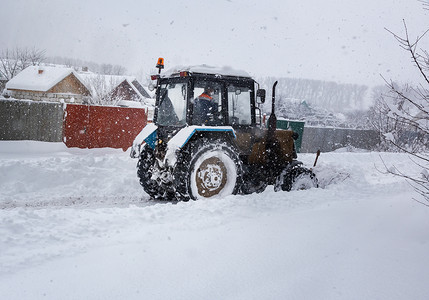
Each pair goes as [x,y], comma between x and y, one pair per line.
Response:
[107,79]
[136,90]
[32,80]
[205,69]
[145,93]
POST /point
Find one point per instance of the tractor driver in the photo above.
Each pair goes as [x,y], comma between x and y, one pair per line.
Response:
[205,107]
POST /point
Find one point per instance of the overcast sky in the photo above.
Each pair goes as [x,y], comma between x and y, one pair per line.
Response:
[336,40]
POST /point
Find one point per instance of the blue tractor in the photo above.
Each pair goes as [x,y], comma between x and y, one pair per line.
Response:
[208,138]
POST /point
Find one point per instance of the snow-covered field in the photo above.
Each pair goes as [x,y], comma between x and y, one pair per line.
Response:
[75,224]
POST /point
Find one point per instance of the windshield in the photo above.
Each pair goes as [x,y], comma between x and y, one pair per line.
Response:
[172,104]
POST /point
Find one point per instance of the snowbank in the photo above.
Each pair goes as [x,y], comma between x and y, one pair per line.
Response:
[75,224]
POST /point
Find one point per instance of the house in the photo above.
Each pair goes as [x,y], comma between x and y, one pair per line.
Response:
[130,89]
[48,83]
[131,93]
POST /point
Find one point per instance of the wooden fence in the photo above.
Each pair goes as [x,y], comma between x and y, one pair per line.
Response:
[76,125]
[102,126]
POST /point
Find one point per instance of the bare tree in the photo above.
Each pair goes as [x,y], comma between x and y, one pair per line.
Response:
[110,69]
[425,4]
[101,87]
[13,61]
[402,116]
[78,64]
[380,120]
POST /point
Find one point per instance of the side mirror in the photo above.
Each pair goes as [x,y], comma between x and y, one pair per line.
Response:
[260,96]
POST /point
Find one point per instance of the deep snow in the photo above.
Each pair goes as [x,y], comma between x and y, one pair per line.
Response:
[75,224]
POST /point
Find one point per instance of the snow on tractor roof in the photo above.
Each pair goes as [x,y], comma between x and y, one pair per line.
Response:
[205,69]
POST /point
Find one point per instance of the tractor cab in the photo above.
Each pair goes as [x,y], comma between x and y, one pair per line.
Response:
[201,96]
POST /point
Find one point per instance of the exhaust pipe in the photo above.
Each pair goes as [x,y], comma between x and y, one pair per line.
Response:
[272,121]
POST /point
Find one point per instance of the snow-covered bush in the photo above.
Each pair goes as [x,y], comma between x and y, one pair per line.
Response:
[401,118]
[101,87]
[401,115]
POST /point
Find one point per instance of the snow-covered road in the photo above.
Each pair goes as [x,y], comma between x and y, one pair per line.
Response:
[75,224]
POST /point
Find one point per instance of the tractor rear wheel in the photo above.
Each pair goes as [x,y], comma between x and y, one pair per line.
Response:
[212,170]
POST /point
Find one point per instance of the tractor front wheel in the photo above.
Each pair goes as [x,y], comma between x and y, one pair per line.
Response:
[144,172]
[296,178]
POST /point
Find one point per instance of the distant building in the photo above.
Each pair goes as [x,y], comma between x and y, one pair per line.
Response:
[131,93]
[130,89]
[47,83]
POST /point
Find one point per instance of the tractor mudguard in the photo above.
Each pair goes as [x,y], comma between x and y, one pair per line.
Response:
[185,134]
[147,135]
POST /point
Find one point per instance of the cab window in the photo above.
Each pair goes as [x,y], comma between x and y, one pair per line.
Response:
[239,105]
[207,103]
[172,104]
